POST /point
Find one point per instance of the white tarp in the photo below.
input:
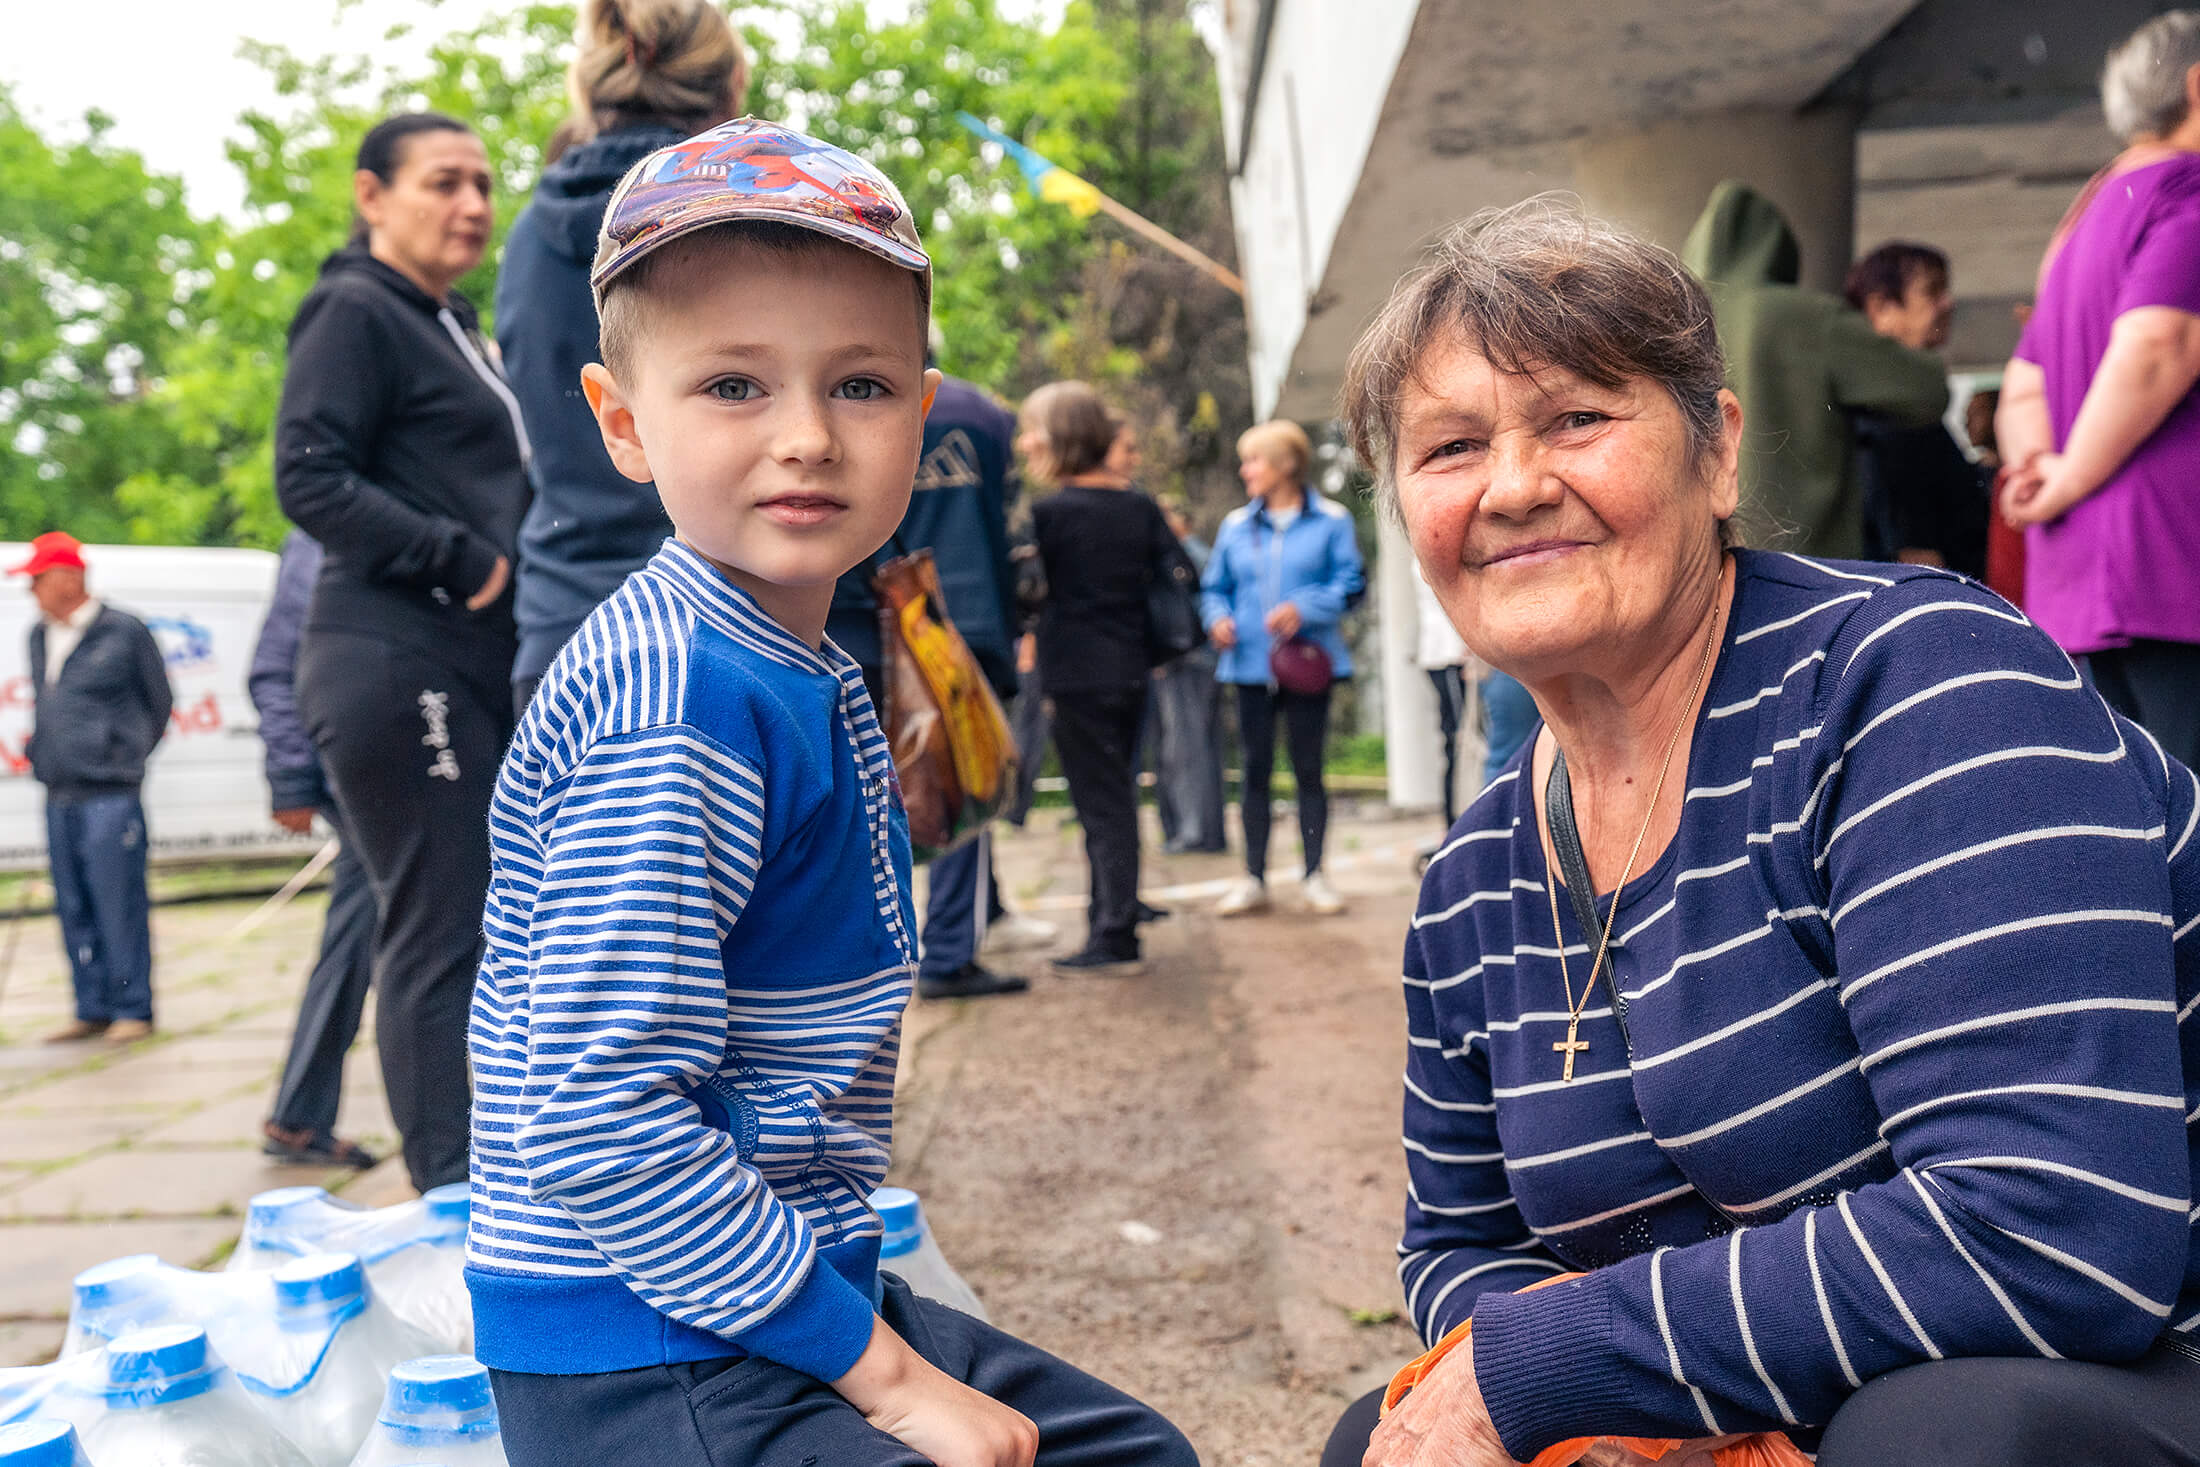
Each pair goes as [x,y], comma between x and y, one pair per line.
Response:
[205,792]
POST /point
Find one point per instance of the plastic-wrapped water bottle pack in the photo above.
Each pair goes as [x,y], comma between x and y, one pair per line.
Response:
[415,1252]
[337,1337]
[326,1339]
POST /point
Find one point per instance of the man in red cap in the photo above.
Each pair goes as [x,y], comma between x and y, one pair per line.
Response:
[101,704]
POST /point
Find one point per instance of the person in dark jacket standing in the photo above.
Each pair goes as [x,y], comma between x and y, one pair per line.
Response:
[966,480]
[1103,545]
[400,448]
[1925,502]
[648,73]
[100,703]
[302,1126]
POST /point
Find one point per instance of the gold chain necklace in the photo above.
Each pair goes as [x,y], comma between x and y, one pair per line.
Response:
[1573,1044]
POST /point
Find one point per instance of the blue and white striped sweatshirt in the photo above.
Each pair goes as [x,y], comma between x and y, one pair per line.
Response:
[685,1028]
[1907,1071]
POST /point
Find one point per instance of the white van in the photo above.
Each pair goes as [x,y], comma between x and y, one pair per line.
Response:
[206,792]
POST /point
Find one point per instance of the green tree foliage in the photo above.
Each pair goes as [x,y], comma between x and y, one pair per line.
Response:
[100,266]
[142,355]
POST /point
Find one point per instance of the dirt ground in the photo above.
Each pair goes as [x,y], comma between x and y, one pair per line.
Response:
[1238,1102]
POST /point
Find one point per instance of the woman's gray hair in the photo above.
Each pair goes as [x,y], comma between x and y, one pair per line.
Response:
[1535,286]
[2143,82]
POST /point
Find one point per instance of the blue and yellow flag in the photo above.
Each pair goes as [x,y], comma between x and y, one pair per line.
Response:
[1050,181]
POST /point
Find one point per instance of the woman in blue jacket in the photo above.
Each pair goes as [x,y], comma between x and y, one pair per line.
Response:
[1283,570]
[647,74]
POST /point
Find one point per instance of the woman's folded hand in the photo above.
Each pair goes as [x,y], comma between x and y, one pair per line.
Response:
[1443,1423]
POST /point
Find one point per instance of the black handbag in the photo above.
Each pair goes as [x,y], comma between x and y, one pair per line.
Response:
[1172,606]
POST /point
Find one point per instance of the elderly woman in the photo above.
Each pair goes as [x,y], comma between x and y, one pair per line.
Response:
[1810,989]
[2098,418]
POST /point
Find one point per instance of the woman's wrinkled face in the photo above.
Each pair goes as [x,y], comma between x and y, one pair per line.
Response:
[432,218]
[1554,519]
[1262,475]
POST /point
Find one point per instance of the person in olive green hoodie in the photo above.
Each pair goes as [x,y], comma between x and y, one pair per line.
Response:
[1801,361]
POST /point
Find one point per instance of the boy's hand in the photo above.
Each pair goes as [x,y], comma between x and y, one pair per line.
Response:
[910,1399]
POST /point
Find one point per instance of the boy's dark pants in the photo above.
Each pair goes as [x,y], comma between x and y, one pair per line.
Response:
[752,1413]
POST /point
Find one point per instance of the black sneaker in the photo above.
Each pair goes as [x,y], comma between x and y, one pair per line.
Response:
[1148,912]
[1100,965]
[971,981]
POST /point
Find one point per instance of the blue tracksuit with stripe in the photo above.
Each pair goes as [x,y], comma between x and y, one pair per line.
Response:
[699,946]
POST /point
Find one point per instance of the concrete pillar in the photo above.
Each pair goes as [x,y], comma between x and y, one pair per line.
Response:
[1413,753]
[1657,179]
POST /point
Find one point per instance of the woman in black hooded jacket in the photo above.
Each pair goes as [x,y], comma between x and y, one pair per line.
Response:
[648,73]
[400,448]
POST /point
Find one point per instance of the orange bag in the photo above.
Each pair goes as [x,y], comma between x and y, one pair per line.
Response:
[1768,1450]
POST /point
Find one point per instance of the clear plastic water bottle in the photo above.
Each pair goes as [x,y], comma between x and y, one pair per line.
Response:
[318,1372]
[439,1413]
[140,1291]
[425,1280]
[41,1444]
[909,1251]
[60,1391]
[165,1399]
[415,1252]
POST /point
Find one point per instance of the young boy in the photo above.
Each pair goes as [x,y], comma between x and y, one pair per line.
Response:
[699,932]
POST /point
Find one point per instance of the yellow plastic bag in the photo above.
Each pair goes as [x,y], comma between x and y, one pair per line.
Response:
[953,751]
[1768,1450]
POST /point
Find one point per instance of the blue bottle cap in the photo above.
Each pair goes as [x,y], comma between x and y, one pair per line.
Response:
[903,1214]
[40,1444]
[448,1204]
[149,1367]
[310,1289]
[439,1398]
[268,1213]
[120,1294]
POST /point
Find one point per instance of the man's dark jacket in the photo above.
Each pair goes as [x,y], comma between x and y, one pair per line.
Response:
[294,778]
[590,527]
[94,728]
[966,481]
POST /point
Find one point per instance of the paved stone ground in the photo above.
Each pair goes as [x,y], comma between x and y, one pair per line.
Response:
[1187,1182]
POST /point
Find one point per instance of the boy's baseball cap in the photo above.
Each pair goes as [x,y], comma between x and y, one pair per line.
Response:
[53,550]
[751,170]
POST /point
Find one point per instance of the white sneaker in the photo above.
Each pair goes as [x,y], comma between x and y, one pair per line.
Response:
[1014,932]
[1248,894]
[1321,897]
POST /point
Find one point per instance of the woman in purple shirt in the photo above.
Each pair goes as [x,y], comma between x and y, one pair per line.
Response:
[2098,413]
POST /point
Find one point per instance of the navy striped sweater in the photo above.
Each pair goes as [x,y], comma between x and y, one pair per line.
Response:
[1907,1072]
[685,1028]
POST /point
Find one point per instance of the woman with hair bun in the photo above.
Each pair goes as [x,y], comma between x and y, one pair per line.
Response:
[647,73]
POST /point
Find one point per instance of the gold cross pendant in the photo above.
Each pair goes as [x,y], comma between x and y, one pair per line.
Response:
[1570,1047]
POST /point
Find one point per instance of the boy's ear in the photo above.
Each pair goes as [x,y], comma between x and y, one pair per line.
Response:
[932,380]
[615,420]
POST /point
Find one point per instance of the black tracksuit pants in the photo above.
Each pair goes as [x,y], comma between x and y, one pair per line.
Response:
[411,743]
[1095,736]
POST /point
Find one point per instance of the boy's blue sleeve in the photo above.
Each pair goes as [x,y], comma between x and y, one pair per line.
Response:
[646,867]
